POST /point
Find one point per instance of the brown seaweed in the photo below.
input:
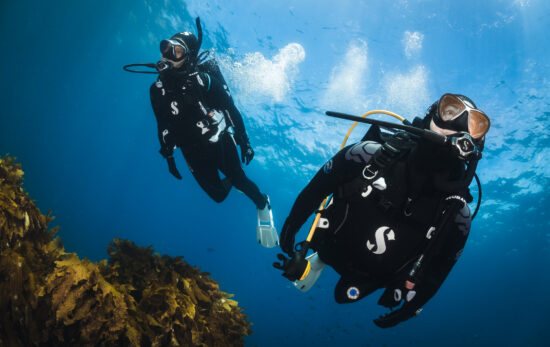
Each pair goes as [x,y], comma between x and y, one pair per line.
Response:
[135,298]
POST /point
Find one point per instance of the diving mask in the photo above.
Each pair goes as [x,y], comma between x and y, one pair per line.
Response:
[456,113]
[173,50]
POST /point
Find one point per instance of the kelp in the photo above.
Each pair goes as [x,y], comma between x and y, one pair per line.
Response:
[135,298]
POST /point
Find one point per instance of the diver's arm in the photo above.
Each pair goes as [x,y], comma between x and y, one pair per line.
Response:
[221,98]
[163,131]
[165,138]
[328,179]
[432,274]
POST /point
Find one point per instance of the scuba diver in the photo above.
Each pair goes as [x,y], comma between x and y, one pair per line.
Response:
[397,218]
[196,113]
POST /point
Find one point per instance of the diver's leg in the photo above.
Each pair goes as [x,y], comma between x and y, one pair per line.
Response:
[205,171]
[266,233]
[231,167]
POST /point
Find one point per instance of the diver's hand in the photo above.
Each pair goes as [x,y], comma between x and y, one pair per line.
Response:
[166,151]
[287,238]
[395,317]
[172,167]
[293,268]
[247,153]
[393,296]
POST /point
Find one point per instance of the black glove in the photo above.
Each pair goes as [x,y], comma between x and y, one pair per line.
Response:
[287,238]
[293,268]
[393,296]
[395,317]
[166,151]
[247,153]
[172,167]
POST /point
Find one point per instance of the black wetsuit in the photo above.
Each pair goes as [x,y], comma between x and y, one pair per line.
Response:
[372,236]
[182,102]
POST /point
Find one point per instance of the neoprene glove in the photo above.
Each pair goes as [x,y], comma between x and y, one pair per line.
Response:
[412,304]
[166,151]
[172,167]
[247,153]
[287,238]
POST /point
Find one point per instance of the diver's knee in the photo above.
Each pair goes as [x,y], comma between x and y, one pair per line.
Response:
[218,198]
[237,176]
[240,185]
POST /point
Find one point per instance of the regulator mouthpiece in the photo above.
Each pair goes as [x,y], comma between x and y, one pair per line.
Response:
[163,65]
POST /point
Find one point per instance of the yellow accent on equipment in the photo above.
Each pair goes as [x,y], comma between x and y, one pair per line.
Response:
[306,271]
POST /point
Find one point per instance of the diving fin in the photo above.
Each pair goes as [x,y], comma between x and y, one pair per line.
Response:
[316,268]
[265,231]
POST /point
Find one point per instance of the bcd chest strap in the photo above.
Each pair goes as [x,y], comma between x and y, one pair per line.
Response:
[391,151]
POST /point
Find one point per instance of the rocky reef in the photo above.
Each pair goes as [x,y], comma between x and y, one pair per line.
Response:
[135,298]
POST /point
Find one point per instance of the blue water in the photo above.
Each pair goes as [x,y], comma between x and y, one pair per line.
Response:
[86,135]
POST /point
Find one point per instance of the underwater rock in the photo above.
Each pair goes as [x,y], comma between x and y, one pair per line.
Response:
[135,298]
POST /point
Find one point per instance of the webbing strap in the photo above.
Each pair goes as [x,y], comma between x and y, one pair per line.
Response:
[390,151]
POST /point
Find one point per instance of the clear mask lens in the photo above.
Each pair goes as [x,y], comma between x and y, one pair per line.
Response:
[450,107]
[478,124]
[172,50]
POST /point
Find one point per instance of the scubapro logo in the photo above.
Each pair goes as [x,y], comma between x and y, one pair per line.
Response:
[174,107]
[367,191]
[353,293]
[380,240]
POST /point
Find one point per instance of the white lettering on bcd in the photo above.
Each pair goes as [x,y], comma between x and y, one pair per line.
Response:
[174,106]
[380,240]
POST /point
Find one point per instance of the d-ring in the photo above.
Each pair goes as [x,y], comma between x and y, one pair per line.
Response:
[368,173]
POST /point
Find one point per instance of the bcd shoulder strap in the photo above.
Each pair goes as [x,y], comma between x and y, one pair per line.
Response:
[393,149]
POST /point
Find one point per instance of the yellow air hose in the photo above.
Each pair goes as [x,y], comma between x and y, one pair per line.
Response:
[318,216]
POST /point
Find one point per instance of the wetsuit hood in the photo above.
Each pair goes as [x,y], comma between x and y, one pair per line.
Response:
[189,45]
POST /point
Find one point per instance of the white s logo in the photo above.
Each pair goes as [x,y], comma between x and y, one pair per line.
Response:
[174,106]
[380,242]
[367,192]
